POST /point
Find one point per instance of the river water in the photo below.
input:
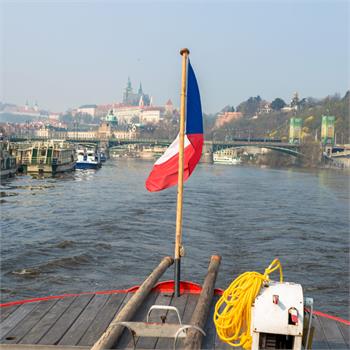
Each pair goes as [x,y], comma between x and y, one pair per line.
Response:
[99,230]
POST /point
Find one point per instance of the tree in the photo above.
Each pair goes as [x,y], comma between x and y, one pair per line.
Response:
[249,107]
[277,104]
[228,108]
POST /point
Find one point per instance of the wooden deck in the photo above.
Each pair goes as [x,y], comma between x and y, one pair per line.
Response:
[80,320]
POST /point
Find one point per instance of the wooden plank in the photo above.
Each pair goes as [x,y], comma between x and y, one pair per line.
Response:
[54,335]
[345,330]
[333,334]
[150,342]
[125,340]
[17,333]
[40,347]
[209,329]
[189,308]
[319,340]
[51,317]
[15,317]
[102,319]
[171,317]
[82,323]
[5,311]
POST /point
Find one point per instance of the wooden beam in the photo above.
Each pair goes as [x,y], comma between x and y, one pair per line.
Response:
[114,331]
[199,317]
[41,347]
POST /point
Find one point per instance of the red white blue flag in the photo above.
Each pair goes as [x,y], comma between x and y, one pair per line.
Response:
[165,170]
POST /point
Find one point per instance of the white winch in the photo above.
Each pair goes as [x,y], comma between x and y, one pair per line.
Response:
[255,312]
[278,317]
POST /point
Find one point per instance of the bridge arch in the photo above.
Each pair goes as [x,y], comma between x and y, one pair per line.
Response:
[293,151]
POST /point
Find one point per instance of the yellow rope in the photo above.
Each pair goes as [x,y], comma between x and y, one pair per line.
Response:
[232,313]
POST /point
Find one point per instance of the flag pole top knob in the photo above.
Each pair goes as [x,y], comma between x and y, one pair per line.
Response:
[185,50]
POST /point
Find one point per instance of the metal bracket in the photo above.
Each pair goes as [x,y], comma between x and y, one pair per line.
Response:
[132,332]
[184,328]
[164,307]
[140,329]
[309,303]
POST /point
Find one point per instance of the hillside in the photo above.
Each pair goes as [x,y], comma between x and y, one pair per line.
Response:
[275,123]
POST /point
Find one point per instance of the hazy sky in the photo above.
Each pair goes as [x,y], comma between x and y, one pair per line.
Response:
[67,53]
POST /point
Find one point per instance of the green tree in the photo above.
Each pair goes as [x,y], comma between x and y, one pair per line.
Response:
[228,108]
[277,104]
[249,107]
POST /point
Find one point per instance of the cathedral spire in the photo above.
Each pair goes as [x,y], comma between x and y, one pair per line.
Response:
[140,92]
[128,86]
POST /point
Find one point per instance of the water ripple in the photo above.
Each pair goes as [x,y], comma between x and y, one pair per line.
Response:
[101,230]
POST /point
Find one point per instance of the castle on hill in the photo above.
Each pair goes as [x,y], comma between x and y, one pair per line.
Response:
[134,99]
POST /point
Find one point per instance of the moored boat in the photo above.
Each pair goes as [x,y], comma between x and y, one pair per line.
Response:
[227,156]
[8,165]
[88,158]
[49,157]
[218,159]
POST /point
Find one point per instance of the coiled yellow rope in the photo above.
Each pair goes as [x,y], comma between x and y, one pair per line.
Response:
[232,313]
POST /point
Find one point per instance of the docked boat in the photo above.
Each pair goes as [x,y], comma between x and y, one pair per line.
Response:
[49,157]
[226,156]
[88,158]
[218,159]
[8,165]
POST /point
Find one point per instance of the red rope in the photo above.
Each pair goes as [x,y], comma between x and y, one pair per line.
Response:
[162,287]
[335,318]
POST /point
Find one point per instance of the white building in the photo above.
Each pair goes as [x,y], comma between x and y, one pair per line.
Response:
[125,135]
[87,109]
[141,114]
[47,133]
[54,116]
[127,114]
[150,115]
[82,135]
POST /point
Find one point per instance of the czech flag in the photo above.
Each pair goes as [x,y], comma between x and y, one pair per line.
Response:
[165,170]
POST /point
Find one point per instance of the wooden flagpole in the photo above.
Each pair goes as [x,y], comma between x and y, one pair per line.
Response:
[178,238]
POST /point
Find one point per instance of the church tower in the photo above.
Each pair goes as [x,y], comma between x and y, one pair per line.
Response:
[140,92]
[127,92]
[128,86]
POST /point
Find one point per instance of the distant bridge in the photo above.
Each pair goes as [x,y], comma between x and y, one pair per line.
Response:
[276,145]
[210,146]
[213,146]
